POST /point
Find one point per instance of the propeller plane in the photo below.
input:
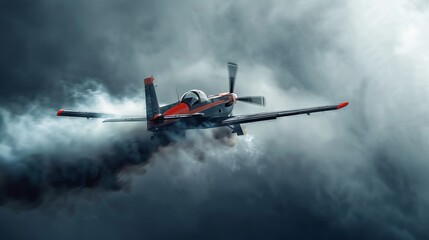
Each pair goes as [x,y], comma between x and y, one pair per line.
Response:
[196,110]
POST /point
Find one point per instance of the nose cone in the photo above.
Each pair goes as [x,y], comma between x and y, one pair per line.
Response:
[234,97]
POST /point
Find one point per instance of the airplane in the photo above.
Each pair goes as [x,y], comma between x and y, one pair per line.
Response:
[196,110]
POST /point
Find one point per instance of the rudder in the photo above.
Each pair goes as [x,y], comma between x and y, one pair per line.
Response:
[152,106]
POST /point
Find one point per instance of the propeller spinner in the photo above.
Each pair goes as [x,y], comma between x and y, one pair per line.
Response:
[232,71]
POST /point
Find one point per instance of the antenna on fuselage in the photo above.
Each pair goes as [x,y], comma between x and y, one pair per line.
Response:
[177,93]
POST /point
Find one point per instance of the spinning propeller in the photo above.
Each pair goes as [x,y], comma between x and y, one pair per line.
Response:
[232,71]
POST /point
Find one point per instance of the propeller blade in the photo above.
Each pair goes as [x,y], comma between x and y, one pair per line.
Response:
[232,72]
[258,100]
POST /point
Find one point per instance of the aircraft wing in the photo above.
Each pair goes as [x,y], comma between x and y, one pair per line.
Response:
[273,115]
[163,117]
[108,116]
[70,113]
[120,118]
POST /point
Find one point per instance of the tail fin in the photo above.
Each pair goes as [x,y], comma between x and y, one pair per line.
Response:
[152,106]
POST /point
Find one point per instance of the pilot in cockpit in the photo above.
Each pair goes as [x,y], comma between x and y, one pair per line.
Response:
[194,97]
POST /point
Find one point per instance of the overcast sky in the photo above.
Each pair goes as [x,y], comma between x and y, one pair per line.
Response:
[358,173]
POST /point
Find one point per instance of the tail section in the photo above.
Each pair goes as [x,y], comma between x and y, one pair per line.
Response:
[152,106]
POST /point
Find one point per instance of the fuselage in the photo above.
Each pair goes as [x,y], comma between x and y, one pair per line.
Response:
[194,101]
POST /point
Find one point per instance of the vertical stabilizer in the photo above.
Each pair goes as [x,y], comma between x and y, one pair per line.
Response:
[152,106]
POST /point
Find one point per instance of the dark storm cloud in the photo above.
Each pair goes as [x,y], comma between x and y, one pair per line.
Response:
[46,44]
[359,173]
[38,165]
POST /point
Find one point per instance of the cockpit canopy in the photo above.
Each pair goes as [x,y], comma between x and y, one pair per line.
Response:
[193,97]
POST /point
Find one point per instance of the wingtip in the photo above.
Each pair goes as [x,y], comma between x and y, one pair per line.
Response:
[343,104]
[60,112]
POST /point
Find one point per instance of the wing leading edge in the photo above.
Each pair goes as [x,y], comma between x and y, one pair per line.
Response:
[108,116]
[120,118]
[161,117]
[69,113]
[273,115]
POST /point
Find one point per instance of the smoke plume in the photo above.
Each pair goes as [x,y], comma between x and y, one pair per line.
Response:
[44,157]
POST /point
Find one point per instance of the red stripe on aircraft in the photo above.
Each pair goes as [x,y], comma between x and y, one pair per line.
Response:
[182,108]
[178,109]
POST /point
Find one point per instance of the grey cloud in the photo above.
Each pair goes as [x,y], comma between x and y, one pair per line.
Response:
[357,173]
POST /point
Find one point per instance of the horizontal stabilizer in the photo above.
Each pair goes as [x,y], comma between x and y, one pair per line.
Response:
[126,119]
[179,116]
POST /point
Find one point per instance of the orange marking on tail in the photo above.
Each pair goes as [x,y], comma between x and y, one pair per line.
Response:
[149,80]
